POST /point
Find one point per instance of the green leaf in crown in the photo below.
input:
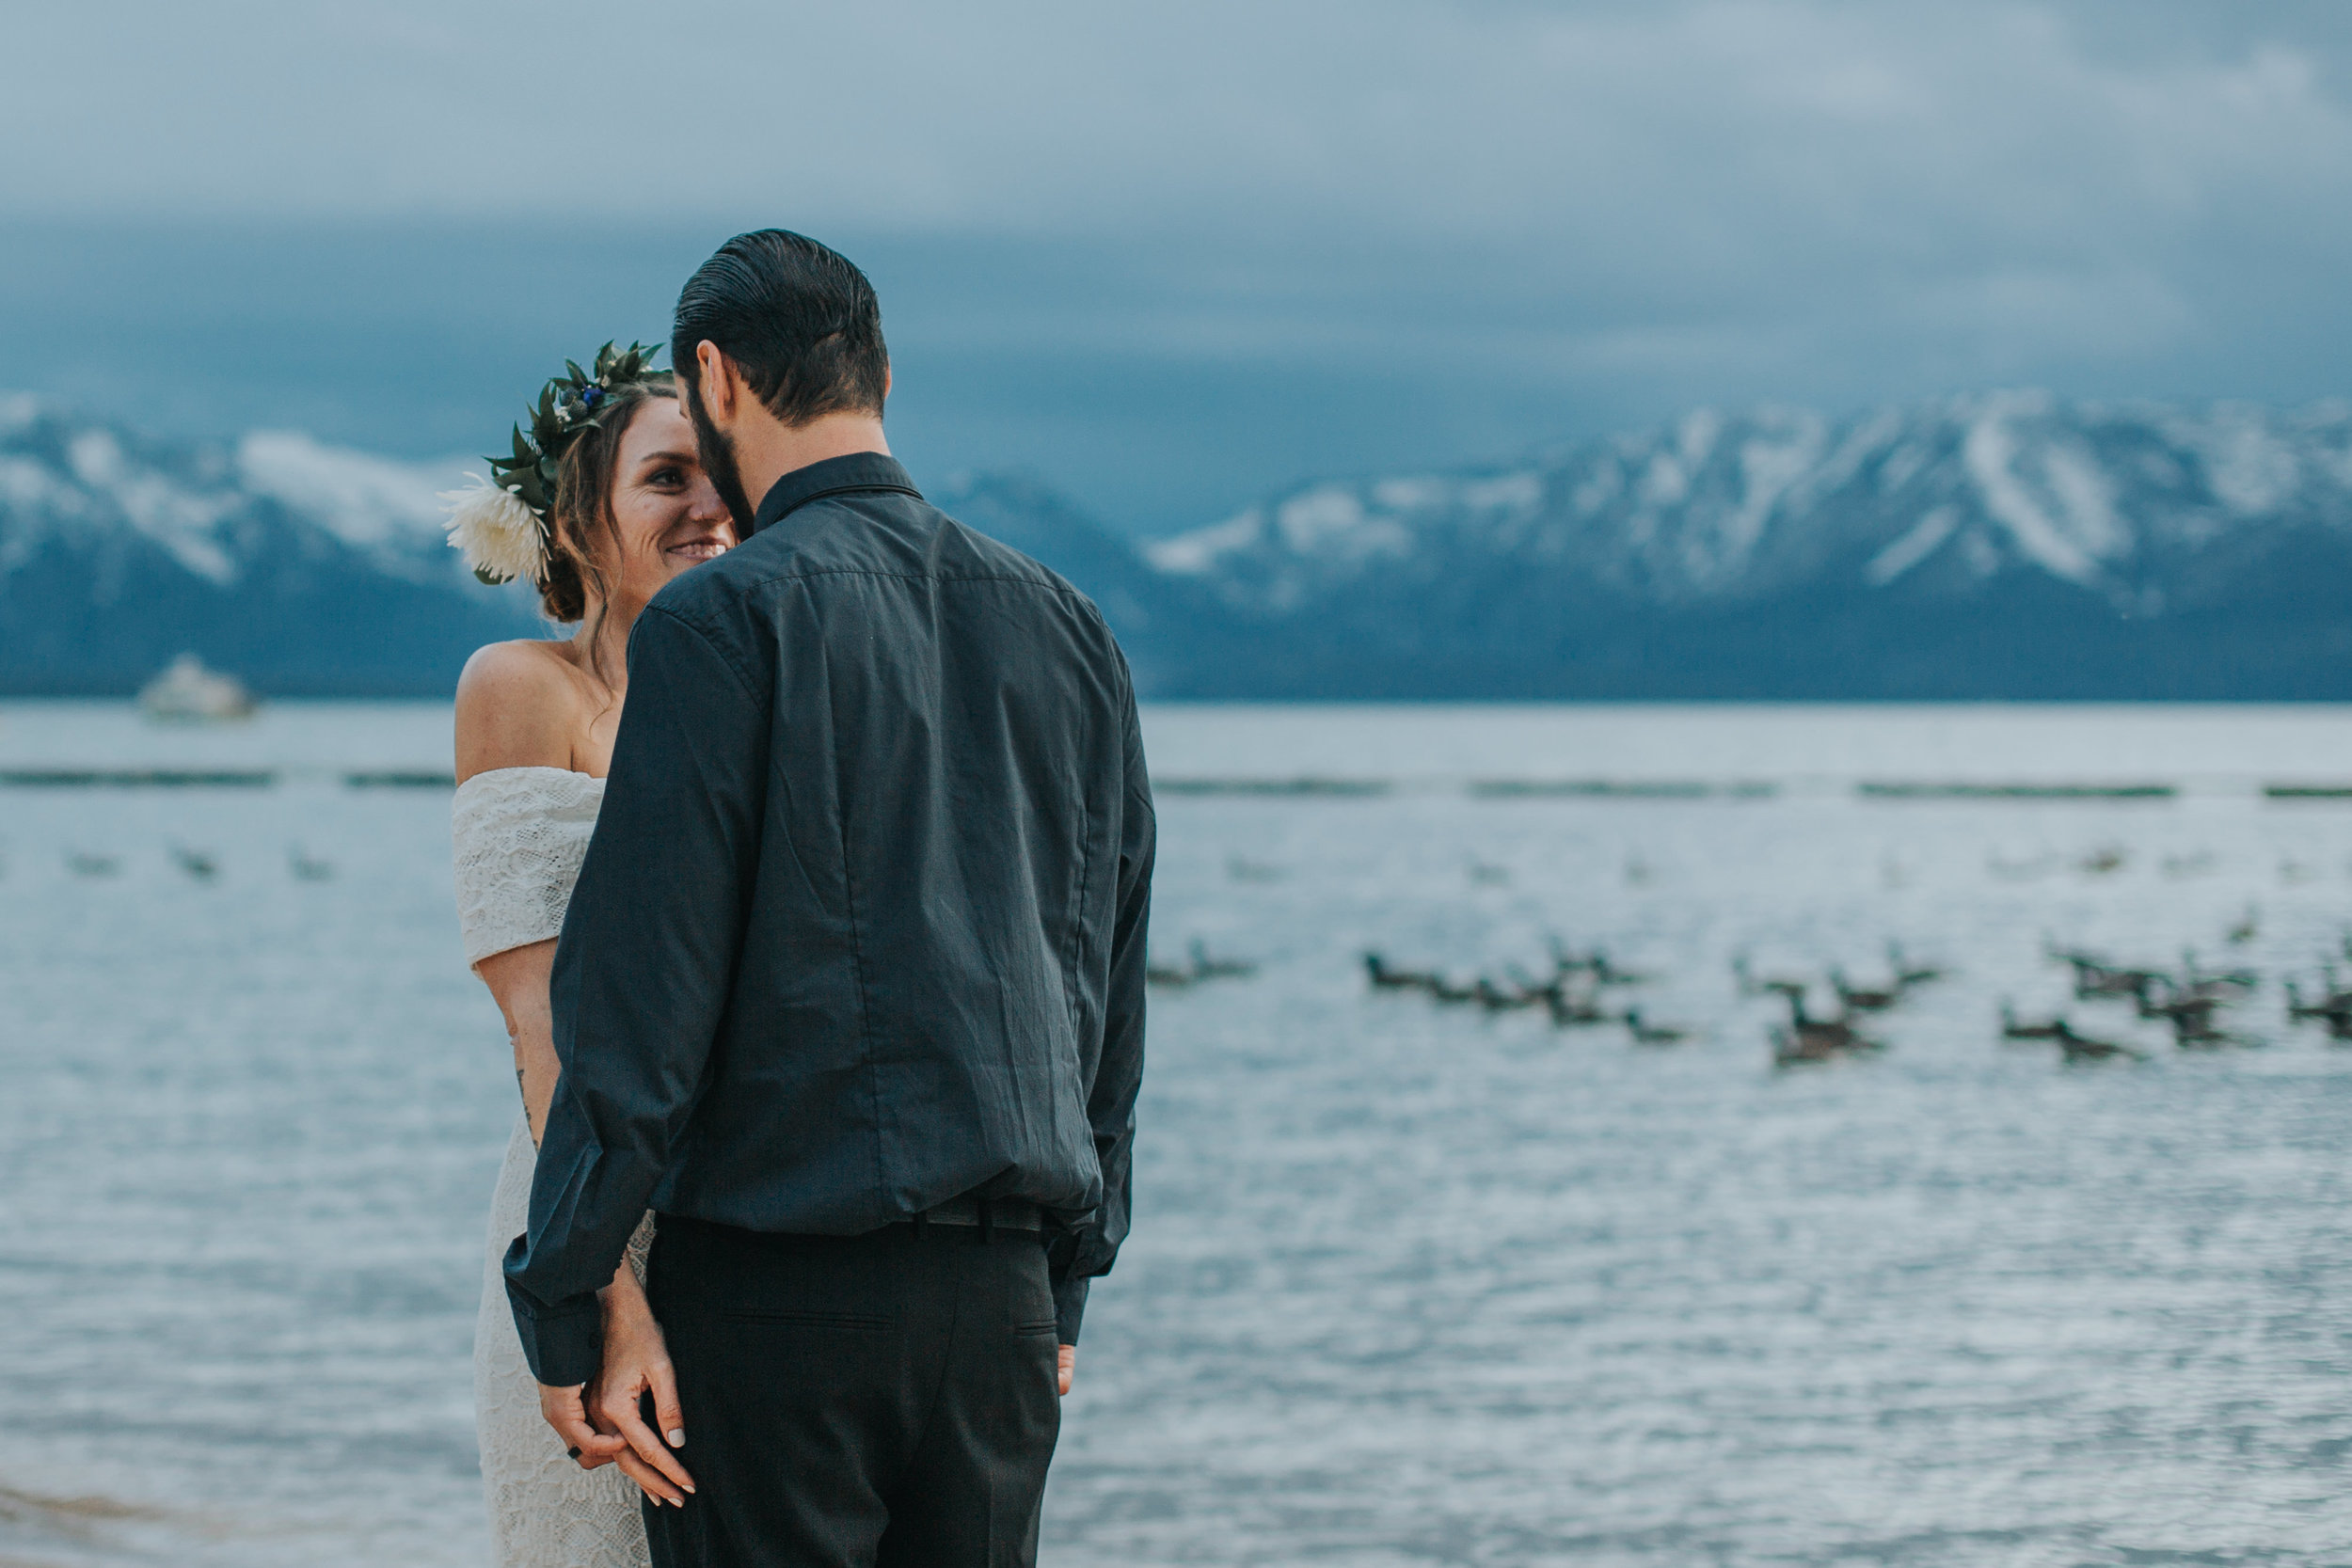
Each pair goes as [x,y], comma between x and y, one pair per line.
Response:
[502,526]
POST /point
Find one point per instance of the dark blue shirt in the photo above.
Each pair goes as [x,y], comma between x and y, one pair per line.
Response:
[862,926]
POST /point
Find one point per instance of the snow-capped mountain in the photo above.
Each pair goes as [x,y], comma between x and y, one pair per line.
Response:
[2000,545]
[303,568]
[2112,501]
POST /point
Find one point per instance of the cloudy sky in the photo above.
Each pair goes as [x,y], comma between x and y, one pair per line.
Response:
[1170,257]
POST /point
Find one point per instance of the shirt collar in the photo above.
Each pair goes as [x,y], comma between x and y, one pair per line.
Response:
[859,470]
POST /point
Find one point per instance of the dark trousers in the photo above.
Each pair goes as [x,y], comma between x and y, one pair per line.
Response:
[863,1401]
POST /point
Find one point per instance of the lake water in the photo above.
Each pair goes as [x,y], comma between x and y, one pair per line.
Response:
[1411,1284]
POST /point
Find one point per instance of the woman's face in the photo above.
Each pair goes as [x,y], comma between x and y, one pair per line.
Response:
[667,514]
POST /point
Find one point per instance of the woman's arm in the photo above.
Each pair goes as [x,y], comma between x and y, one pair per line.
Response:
[636,1359]
[518,979]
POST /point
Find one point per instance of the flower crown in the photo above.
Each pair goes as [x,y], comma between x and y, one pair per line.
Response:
[501,524]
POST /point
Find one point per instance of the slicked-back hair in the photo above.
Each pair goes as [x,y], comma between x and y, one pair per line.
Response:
[798,319]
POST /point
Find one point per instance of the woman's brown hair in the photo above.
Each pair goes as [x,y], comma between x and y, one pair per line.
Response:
[582,511]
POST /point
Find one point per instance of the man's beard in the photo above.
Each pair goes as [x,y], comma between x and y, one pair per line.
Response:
[718,458]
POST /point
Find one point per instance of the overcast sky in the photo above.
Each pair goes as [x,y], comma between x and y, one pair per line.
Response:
[1172,255]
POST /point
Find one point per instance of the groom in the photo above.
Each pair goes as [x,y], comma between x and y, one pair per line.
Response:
[851,988]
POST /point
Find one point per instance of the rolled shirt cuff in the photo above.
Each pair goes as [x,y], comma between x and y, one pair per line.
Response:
[563,1343]
[1070,1307]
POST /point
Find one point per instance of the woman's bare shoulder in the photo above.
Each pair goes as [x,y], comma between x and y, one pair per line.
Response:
[519,706]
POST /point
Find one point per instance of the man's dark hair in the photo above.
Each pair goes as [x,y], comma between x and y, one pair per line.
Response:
[798,319]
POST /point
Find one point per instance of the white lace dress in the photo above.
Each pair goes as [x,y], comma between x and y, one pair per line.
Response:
[520,833]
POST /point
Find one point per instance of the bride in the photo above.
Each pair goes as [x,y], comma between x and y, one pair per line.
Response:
[603,503]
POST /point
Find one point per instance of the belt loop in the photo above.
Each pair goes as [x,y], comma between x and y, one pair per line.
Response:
[988,1222]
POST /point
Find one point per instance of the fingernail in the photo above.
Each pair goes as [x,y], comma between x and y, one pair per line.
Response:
[677,1436]
[574,1453]
[690,1486]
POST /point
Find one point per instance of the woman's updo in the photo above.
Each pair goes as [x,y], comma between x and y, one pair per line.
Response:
[582,510]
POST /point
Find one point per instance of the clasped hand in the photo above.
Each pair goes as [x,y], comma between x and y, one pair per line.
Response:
[604,1423]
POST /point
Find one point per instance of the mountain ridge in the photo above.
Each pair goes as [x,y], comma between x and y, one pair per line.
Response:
[305,570]
[1998,544]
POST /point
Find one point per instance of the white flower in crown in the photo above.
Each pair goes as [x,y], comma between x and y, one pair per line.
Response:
[500,536]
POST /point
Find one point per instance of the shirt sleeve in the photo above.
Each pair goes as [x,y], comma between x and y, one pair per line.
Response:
[642,976]
[1119,1072]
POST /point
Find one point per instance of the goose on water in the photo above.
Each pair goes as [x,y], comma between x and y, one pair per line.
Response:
[1653,1034]
[1752,984]
[1495,999]
[1807,1039]
[2333,1009]
[2198,1034]
[2095,978]
[1386,978]
[2015,1028]
[2078,1049]
[1573,1011]
[2298,1009]
[2195,982]
[1593,962]
[1207,968]
[1862,999]
[1908,973]
[1607,974]
[2178,1008]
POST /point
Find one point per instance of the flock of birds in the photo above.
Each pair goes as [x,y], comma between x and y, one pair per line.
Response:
[2196,1002]
[1585,988]
[200,866]
[1804,1038]
[1581,991]
[2108,859]
[1578,993]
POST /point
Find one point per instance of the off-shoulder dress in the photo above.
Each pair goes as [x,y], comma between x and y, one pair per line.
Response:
[520,833]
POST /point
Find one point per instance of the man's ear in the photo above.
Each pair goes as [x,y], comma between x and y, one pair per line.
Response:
[886,381]
[719,381]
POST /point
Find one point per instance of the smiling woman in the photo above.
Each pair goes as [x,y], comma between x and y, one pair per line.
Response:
[608,502]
